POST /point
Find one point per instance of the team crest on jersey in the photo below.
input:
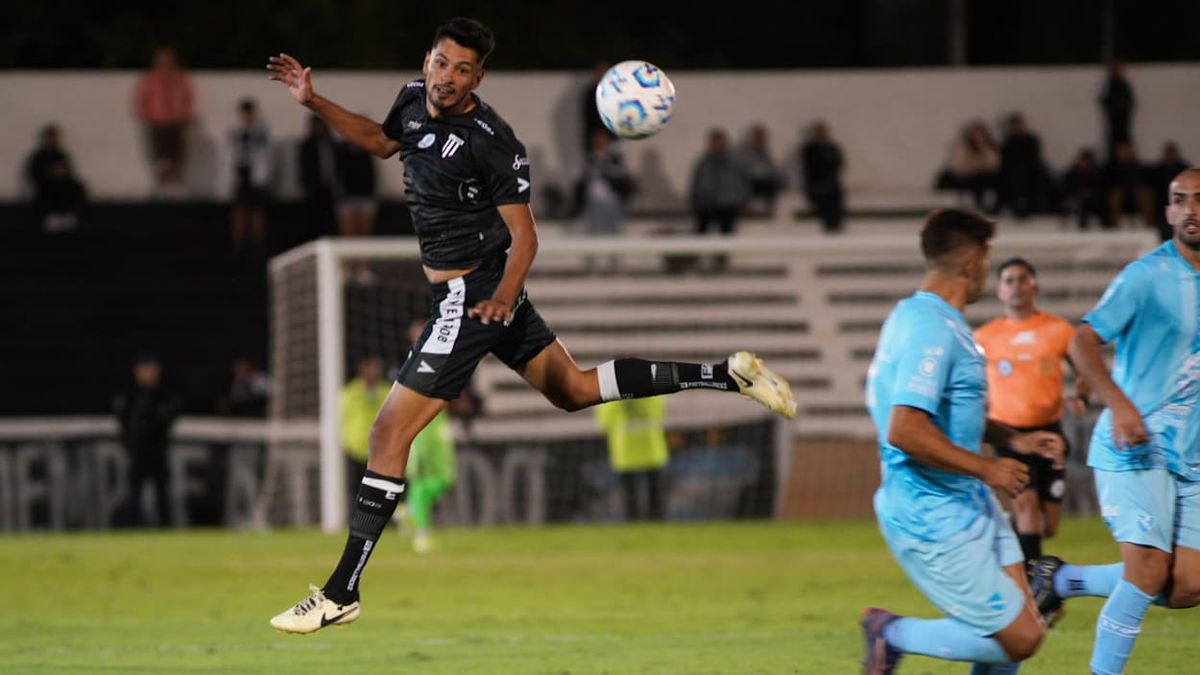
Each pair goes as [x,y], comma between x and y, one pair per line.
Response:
[451,146]
[1004,367]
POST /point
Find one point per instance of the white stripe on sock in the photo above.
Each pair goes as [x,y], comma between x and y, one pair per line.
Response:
[607,374]
[385,485]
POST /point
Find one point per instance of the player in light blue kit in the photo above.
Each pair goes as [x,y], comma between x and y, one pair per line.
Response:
[926,391]
[1145,449]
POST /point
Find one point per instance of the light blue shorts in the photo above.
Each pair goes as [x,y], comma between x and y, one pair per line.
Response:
[963,574]
[1151,507]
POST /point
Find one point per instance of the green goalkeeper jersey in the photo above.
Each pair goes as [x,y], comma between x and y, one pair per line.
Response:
[432,452]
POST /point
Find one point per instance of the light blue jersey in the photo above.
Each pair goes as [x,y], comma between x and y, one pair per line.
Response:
[927,359]
[1151,312]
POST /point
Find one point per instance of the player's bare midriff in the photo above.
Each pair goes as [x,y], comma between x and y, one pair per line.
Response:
[442,276]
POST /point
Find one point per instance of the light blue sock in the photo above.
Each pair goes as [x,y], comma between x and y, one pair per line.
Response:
[1118,627]
[947,639]
[1072,581]
[995,668]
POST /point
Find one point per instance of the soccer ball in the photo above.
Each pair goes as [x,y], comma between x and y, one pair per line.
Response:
[635,99]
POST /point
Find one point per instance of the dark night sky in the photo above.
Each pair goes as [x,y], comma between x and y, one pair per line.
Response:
[381,34]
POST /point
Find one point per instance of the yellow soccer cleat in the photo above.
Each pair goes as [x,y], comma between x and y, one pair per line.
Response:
[758,382]
[314,613]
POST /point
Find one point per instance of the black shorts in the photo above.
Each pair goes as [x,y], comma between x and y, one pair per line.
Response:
[1049,482]
[451,346]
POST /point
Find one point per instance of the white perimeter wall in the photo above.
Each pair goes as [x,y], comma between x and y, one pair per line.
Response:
[894,125]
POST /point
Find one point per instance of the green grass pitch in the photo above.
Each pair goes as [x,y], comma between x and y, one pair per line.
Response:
[750,597]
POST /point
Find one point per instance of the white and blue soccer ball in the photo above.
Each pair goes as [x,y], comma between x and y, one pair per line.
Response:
[635,99]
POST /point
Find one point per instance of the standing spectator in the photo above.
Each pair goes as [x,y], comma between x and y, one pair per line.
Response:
[163,101]
[1024,180]
[720,189]
[973,166]
[637,450]
[145,414]
[1083,190]
[766,179]
[249,391]
[250,148]
[58,195]
[318,174]
[360,400]
[821,161]
[1117,102]
[590,116]
[603,190]
[1160,175]
[356,181]
[1125,187]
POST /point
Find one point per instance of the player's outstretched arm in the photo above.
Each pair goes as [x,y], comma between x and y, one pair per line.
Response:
[911,430]
[1128,428]
[362,131]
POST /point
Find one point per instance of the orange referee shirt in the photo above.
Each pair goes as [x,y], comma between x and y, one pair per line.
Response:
[1024,368]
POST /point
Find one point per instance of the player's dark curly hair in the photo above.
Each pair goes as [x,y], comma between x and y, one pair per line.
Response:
[949,230]
[1016,262]
[470,34]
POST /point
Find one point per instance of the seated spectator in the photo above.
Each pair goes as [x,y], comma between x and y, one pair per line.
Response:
[821,160]
[719,189]
[603,190]
[1160,175]
[973,166]
[766,179]
[1025,185]
[318,175]
[58,195]
[1125,186]
[1083,190]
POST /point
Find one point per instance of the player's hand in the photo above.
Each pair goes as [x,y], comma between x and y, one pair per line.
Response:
[1129,430]
[1006,475]
[294,76]
[491,310]
[1043,444]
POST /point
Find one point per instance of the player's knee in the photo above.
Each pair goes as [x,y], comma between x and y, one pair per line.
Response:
[1148,574]
[1186,593]
[1049,530]
[1026,643]
[571,396]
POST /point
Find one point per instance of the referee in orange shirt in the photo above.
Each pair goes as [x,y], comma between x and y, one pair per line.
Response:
[1025,350]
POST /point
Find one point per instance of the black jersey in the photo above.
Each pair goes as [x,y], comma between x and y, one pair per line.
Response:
[457,170]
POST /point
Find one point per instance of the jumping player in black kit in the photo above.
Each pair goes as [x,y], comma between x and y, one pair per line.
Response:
[468,187]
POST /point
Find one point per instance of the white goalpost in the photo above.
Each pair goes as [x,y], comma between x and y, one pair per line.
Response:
[811,305]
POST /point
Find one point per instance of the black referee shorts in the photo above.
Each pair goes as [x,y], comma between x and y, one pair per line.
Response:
[445,356]
[1049,482]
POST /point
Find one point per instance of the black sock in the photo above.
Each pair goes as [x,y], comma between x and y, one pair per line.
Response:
[1031,545]
[637,378]
[378,496]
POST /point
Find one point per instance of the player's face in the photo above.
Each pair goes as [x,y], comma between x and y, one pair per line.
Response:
[1183,209]
[1017,287]
[452,72]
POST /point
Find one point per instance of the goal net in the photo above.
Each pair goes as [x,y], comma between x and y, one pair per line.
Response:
[810,305]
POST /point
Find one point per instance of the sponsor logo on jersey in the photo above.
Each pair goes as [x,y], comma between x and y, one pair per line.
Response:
[522,184]
[414,124]
[1025,337]
[519,161]
[426,141]
[484,125]
[451,146]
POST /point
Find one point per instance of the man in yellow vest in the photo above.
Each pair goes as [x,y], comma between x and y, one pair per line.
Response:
[360,400]
[637,449]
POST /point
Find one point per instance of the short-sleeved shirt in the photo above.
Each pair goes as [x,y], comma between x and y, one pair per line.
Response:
[1150,312]
[457,170]
[1024,367]
[927,359]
